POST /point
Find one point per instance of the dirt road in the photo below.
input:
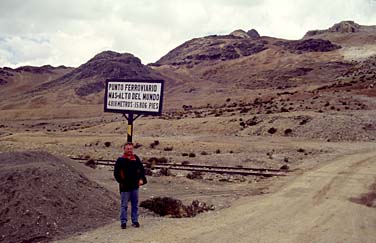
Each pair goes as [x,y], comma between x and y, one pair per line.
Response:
[314,207]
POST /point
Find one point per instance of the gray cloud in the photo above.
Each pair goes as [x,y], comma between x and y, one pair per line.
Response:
[70,32]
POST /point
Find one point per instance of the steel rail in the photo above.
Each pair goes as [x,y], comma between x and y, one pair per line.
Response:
[203,168]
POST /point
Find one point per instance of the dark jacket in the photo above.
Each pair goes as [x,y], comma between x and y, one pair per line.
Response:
[128,173]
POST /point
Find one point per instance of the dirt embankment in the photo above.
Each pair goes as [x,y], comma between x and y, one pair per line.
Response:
[43,198]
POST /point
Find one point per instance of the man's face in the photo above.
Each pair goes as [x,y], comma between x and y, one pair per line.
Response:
[128,149]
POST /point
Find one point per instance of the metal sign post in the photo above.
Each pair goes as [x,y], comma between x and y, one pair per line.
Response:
[130,120]
[133,97]
[130,128]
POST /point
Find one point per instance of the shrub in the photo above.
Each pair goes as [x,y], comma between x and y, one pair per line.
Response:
[288,131]
[204,153]
[154,160]
[107,144]
[284,167]
[185,162]
[253,121]
[165,171]
[272,130]
[151,162]
[168,148]
[304,121]
[244,110]
[187,107]
[218,151]
[283,109]
[162,160]
[194,175]
[175,208]
[301,150]
[153,144]
[191,155]
[137,145]
[184,154]
[91,163]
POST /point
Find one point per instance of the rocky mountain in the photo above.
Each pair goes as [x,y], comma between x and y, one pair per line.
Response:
[238,44]
[62,86]
[203,71]
[213,48]
[241,67]
[238,61]
[358,41]
[89,78]
[342,27]
[14,82]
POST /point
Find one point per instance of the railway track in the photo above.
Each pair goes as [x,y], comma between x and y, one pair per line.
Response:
[265,172]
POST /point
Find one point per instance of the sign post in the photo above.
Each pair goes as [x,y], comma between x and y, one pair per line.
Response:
[130,128]
[133,97]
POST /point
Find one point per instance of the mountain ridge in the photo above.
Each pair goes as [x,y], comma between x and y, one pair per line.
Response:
[201,69]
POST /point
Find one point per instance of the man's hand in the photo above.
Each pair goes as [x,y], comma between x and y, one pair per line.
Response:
[140,182]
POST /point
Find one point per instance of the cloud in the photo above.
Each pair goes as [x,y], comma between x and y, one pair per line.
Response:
[70,32]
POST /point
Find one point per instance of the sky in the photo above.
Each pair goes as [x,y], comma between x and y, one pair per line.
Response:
[70,32]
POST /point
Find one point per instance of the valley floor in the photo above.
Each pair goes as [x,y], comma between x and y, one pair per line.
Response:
[321,205]
[329,194]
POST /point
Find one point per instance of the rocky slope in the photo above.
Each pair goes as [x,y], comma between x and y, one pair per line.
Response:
[342,27]
[17,81]
[358,41]
[237,44]
[240,66]
[82,85]
[89,78]
[213,48]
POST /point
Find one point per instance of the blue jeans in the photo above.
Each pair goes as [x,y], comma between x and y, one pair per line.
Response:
[125,197]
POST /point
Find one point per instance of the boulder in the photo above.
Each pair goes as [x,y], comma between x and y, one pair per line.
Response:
[253,33]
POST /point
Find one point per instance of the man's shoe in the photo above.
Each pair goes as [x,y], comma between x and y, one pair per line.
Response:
[136,225]
[123,226]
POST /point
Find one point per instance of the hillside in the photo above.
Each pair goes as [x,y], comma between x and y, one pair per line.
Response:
[14,82]
[79,86]
[286,75]
[242,67]
[358,41]
[89,78]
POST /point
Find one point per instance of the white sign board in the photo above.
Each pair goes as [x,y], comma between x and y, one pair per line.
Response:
[134,96]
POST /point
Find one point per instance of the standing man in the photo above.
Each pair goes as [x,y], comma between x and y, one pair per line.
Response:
[130,174]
